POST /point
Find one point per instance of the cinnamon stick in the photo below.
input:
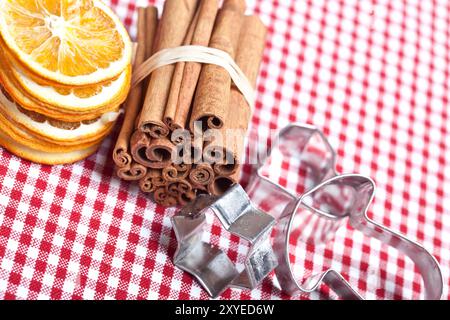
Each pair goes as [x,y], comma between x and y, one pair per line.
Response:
[172,101]
[221,184]
[131,172]
[183,168]
[163,198]
[202,174]
[176,189]
[140,142]
[248,57]
[213,91]
[172,189]
[197,145]
[207,16]
[146,183]
[152,153]
[176,172]
[133,53]
[147,24]
[159,181]
[199,188]
[151,39]
[185,198]
[190,145]
[160,152]
[184,186]
[170,173]
[175,21]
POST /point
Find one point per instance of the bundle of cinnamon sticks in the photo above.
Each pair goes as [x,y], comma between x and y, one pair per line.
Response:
[185,125]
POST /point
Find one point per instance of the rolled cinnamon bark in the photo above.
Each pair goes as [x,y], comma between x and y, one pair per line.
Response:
[172,189]
[230,149]
[147,25]
[121,156]
[221,184]
[133,53]
[159,181]
[172,101]
[207,16]
[170,173]
[146,183]
[202,174]
[248,57]
[200,190]
[184,186]
[213,148]
[183,168]
[177,188]
[213,91]
[160,152]
[163,198]
[152,153]
[176,172]
[140,142]
[185,198]
[131,172]
[174,24]
[189,145]
[181,136]
[197,145]
[151,39]
[151,31]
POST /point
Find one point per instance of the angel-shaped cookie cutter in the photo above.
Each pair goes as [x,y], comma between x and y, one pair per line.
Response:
[316,213]
[210,265]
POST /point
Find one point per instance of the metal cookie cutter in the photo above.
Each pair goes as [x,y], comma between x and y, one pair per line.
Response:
[316,213]
[210,265]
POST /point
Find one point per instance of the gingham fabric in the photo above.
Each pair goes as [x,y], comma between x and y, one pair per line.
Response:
[373,75]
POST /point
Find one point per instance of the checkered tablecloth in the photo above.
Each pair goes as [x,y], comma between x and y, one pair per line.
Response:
[374,75]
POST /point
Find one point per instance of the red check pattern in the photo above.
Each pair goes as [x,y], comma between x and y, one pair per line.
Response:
[374,75]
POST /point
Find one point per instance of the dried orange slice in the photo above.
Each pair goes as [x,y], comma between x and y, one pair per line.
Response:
[10,83]
[38,156]
[57,132]
[72,42]
[81,99]
[27,139]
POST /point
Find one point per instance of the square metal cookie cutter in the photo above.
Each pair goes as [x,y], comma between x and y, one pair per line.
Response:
[329,201]
[210,265]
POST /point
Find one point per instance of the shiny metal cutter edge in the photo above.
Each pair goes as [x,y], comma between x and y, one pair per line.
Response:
[210,265]
[365,187]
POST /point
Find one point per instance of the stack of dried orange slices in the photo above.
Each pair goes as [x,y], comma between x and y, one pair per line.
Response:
[65,69]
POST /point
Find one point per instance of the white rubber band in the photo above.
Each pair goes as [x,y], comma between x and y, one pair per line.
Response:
[198,54]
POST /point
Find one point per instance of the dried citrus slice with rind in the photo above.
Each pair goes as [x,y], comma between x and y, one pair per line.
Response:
[42,157]
[82,133]
[25,100]
[72,42]
[82,99]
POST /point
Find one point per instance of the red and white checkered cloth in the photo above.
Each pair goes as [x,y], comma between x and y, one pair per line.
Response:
[374,75]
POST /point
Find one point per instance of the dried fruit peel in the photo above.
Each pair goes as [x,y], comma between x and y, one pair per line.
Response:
[69,42]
